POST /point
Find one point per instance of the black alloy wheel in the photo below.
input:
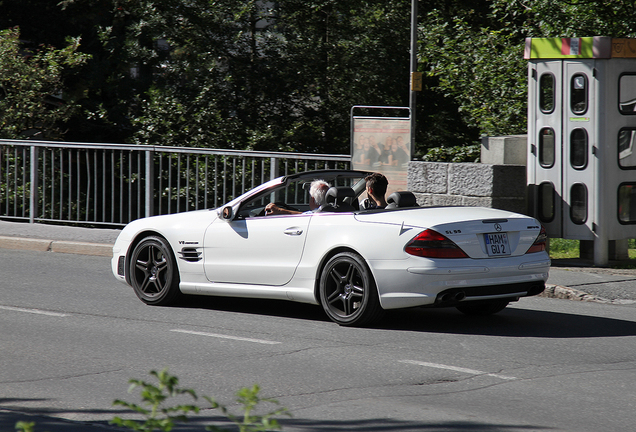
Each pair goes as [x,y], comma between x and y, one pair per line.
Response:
[153,272]
[348,293]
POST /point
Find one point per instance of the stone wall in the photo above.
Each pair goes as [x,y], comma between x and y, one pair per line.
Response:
[468,184]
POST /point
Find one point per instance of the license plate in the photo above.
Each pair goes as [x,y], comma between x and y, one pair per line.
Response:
[497,244]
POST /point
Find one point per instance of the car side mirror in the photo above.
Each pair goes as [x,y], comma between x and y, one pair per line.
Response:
[227,213]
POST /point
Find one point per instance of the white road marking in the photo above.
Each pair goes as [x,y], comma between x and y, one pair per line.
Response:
[457,369]
[33,311]
[216,335]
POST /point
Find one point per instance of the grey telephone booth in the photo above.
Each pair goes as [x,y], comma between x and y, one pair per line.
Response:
[582,139]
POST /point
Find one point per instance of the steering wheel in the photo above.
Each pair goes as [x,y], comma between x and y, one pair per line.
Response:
[281,205]
[285,206]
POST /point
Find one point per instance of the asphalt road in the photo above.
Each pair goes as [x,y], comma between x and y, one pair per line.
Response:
[72,337]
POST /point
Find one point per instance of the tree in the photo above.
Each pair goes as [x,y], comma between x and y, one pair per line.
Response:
[30,81]
[476,54]
[277,76]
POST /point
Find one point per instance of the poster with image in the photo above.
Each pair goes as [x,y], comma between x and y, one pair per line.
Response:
[382,145]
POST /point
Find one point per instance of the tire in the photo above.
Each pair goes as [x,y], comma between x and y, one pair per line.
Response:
[482,308]
[348,293]
[153,272]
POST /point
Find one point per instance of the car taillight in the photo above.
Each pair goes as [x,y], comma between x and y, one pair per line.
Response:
[431,244]
[540,242]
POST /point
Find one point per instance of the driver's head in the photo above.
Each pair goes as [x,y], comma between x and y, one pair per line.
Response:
[318,191]
[376,184]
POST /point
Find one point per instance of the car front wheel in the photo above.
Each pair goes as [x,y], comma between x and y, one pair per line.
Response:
[153,272]
[347,291]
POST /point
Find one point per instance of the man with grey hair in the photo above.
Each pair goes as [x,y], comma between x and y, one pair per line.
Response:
[317,192]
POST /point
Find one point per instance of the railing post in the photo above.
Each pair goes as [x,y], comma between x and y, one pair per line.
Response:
[33,192]
[273,168]
[150,183]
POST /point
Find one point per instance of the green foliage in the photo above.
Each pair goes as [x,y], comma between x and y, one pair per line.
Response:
[579,18]
[469,153]
[29,79]
[481,68]
[267,76]
[283,75]
[159,417]
[249,398]
[23,426]
[476,52]
[563,248]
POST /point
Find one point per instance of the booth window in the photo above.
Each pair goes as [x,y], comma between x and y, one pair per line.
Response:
[546,147]
[578,148]
[546,202]
[627,203]
[627,93]
[578,94]
[578,203]
[546,93]
[626,144]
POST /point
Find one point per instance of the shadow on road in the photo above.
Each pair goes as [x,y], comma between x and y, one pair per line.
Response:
[511,322]
[47,420]
[265,307]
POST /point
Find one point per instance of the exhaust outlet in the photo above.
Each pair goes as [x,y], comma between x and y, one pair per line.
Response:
[459,296]
[453,297]
[446,297]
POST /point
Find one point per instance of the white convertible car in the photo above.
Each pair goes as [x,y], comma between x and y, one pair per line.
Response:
[354,263]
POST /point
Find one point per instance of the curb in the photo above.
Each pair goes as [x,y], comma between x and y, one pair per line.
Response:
[61,246]
[566,293]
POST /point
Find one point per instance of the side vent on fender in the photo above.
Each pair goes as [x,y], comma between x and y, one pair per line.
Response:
[190,254]
[121,265]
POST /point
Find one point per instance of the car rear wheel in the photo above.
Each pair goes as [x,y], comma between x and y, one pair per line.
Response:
[347,291]
[482,308]
[153,272]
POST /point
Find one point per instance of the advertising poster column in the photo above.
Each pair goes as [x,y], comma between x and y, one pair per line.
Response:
[382,145]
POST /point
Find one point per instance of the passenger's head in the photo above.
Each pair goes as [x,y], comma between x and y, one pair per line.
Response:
[376,185]
[318,191]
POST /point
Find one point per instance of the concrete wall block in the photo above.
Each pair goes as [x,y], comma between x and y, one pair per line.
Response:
[424,200]
[469,184]
[428,177]
[469,201]
[447,200]
[504,150]
[470,179]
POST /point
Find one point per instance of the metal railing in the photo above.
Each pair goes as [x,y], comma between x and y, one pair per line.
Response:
[113,184]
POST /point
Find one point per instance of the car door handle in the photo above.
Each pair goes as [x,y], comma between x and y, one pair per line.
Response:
[294,231]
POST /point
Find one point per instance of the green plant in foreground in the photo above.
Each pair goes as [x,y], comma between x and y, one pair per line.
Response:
[153,397]
[160,418]
[249,399]
[23,426]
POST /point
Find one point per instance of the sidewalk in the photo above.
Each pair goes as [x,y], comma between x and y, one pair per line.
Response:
[57,238]
[569,279]
[579,280]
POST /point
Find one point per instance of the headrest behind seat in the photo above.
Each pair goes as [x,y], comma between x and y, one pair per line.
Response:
[335,200]
[401,199]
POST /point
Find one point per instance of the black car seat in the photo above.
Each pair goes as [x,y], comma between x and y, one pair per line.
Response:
[335,200]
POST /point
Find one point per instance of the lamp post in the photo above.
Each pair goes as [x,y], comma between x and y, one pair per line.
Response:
[416,77]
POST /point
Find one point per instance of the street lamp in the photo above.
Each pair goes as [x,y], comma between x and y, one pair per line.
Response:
[416,77]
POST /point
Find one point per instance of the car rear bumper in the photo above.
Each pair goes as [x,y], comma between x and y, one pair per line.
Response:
[443,283]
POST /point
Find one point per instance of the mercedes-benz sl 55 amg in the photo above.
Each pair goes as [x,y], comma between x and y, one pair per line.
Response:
[353,262]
